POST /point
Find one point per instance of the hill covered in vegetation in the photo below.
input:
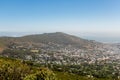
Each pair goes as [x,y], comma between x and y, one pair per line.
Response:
[12,69]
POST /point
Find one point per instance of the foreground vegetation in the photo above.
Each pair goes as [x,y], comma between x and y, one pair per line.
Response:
[11,69]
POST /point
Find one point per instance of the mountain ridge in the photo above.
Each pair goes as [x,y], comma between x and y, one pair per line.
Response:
[59,38]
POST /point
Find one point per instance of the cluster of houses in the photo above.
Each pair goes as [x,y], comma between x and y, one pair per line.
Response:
[67,54]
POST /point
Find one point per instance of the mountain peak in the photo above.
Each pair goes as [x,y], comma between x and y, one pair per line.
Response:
[56,33]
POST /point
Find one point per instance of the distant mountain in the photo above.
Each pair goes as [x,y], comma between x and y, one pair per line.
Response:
[56,38]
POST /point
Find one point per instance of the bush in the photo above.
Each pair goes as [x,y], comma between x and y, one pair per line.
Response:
[42,74]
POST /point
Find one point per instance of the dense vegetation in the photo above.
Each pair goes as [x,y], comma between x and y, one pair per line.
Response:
[11,69]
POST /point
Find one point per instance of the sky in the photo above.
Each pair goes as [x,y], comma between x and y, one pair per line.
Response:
[95,18]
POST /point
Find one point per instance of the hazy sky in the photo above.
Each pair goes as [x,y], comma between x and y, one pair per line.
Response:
[97,17]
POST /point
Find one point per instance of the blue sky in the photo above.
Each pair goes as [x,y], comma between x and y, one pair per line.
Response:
[93,17]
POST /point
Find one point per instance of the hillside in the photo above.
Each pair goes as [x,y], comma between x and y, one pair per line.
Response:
[46,38]
[57,38]
[14,69]
[57,46]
